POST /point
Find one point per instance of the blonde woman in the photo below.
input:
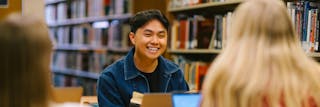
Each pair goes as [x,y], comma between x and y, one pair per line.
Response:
[263,64]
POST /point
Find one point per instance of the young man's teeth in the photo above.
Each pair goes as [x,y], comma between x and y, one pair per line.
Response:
[153,49]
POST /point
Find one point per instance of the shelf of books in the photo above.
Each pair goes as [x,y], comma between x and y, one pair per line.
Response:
[78,48]
[203,28]
[305,17]
[62,80]
[196,5]
[77,73]
[82,61]
[78,21]
[83,32]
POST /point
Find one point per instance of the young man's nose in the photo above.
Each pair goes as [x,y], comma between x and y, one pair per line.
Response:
[155,39]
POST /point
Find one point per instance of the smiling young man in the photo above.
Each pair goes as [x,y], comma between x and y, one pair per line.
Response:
[143,69]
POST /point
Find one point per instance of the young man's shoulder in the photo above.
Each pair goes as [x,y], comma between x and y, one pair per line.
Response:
[115,66]
[169,66]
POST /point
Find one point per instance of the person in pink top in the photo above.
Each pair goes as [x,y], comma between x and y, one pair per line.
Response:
[263,64]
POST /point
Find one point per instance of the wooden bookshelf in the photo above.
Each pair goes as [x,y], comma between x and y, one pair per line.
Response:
[78,21]
[208,7]
[205,5]
[185,16]
[211,7]
[77,73]
[79,48]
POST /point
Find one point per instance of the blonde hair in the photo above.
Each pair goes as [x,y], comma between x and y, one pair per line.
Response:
[25,59]
[263,63]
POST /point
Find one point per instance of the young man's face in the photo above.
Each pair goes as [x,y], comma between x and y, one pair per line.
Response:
[150,40]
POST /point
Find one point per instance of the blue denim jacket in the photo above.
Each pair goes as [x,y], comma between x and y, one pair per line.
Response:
[119,80]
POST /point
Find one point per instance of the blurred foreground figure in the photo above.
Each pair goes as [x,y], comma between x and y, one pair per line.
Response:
[263,64]
[25,64]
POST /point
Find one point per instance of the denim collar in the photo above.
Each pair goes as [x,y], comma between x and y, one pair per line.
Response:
[130,70]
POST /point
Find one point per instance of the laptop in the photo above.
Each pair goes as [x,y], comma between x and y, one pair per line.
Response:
[156,100]
[186,99]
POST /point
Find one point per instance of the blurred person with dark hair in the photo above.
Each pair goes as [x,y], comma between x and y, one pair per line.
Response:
[25,63]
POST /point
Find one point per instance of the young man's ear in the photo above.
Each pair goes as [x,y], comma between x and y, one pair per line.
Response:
[131,36]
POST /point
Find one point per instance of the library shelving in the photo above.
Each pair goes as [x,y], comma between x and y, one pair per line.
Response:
[195,39]
[200,29]
[83,32]
[89,20]
[78,48]
[89,35]
[78,73]
[209,6]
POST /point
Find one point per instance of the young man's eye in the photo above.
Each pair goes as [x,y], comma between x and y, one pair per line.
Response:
[162,35]
[147,34]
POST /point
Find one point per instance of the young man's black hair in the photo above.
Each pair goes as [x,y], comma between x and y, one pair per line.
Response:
[143,17]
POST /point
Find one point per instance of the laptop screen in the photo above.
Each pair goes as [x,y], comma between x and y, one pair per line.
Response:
[186,99]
